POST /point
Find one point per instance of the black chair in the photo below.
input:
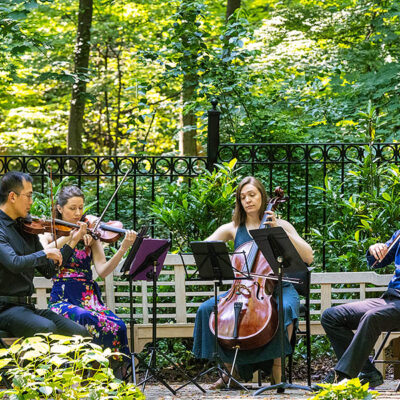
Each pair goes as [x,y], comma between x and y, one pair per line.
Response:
[3,335]
[378,353]
[304,314]
[304,290]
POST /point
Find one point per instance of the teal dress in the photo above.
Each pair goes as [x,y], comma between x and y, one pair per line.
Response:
[247,361]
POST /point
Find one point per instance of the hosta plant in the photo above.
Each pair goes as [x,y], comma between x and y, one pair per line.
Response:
[60,368]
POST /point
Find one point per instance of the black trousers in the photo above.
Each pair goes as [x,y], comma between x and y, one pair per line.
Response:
[368,318]
[26,321]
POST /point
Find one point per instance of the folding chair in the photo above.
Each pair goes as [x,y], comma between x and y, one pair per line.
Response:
[375,359]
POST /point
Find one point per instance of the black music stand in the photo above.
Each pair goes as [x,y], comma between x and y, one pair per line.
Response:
[213,264]
[280,253]
[147,265]
[125,273]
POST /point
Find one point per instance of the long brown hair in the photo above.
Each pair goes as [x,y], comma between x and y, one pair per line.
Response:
[239,214]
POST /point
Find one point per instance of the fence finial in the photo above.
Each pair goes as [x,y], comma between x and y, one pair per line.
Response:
[213,135]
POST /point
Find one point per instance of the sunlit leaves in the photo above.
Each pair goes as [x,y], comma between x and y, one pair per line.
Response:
[34,371]
[281,70]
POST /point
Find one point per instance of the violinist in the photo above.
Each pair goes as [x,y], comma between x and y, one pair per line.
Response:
[21,255]
[251,201]
[75,294]
[368,318]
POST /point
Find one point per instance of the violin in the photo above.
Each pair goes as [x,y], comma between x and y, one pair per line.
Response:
[247,315]
[108,232]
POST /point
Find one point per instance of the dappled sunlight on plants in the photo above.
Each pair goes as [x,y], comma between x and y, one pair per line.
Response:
[61,367]
[345,390]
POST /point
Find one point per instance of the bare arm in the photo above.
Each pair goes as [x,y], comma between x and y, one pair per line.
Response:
[302,247]
[225,233]
[47,241]
[104,267]
[72,240]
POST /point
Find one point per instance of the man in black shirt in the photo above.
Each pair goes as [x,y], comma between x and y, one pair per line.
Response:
[20,255]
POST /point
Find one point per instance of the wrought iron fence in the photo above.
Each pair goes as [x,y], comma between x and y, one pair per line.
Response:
[99,176]
[300,168]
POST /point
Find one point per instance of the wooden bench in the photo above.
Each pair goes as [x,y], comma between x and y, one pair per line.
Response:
[179,298]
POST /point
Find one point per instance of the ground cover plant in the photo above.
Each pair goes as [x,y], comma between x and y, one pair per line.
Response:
[348,389]
[59,367]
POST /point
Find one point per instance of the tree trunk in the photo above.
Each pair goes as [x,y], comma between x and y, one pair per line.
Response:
[81,59]
[187,138]
[231,6]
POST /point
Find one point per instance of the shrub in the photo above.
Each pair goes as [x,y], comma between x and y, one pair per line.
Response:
[359,214]
[193,211]
[59,367]
[346,390]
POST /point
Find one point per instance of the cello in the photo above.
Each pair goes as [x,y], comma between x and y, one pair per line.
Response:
[248,315]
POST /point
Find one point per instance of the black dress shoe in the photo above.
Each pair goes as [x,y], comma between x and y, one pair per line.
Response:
[334,377]
[330,378]
[374,378]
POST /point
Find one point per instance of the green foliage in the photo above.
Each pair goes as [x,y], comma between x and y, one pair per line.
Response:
[320,344]
[281,71]
[346,390]
[356,221]
[192,212]
[41,206]
[59,367]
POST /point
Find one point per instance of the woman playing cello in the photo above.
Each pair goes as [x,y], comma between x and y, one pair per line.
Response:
[251,201]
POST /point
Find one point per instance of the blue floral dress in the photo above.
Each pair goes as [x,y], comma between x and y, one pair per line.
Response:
[76,296]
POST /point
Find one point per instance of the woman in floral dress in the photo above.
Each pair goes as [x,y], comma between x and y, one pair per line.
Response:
[75,294]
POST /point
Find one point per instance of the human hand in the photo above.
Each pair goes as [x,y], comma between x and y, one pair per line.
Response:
[54,254]
[78,234]
[271,219]
[378,250]
[87,239]
[130,237]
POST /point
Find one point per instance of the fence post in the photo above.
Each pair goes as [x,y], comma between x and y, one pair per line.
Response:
[213,135]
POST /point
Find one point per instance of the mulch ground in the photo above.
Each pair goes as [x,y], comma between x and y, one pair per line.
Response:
[159,392]
[320,367]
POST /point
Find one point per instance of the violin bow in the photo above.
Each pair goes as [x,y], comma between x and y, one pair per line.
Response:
[53,210]
[395,240]
[109,203]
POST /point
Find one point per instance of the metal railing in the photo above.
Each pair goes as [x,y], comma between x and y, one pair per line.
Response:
[299,168]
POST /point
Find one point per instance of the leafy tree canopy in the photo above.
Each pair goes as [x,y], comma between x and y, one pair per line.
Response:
[281,70]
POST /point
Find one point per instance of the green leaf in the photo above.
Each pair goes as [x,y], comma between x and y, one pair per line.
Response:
[46,390]
[365,223]
[386,196]
[4,362]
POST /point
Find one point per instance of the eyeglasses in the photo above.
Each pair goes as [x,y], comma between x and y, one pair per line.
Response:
[29,196]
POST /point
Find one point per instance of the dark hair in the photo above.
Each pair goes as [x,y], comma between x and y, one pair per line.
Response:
[12,181]
[239,215]
[66,193]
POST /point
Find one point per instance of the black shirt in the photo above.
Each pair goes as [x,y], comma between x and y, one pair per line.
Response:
[20,254]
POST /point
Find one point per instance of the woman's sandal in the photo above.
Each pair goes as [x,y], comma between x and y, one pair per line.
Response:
[222,383]
[279,390]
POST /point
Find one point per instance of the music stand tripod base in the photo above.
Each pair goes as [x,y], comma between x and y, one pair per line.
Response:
[213,263]
[279,251]
[147,266]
